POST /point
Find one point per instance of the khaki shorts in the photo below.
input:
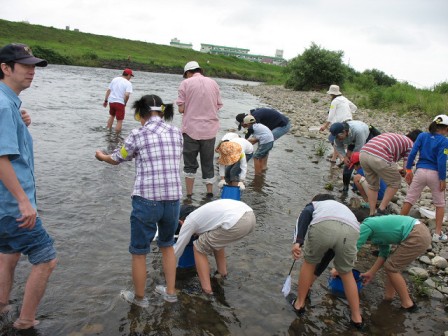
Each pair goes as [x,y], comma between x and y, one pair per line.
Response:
[376,168]
[339,237]
[409,249]
[219,238]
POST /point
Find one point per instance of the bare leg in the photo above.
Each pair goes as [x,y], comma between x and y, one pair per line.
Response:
[388,194]
[306,279]
[372,195]
[389,290]
[169,268]
[110,122]
[118,126]
[258,165]
[189,183]
[221,262]
[405,208]
[399,284]
[8,263]
[203,269]
[139,274]
[351,293]
[209,187]
[440,211]
[34,291]
[360,187]
[265,162]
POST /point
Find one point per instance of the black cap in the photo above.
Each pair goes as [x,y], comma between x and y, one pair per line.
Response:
[337,128]
[185,210]
[20,53]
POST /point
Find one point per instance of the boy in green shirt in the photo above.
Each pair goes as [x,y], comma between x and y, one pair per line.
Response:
[412,238]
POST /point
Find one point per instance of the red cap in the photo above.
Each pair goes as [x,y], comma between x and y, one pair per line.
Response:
[127,72]
[354,159]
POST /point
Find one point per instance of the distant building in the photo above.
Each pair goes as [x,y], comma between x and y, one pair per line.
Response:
[243,54]
[176,43]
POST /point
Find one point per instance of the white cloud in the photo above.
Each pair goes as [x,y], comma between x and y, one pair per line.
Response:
[405,39]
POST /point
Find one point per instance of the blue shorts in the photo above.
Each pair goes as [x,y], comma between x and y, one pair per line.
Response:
[146,217]
[263,150]
[34,243]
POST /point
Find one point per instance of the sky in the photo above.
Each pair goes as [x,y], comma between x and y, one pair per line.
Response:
[406,39]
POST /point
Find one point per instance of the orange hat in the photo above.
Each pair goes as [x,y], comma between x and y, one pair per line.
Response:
[230,153]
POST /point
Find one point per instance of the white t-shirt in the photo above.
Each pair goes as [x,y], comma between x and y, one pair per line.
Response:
[341,109]
[333,210]
[118,87]
[223,213]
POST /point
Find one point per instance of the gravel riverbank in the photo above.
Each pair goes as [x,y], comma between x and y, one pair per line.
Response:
[307,109]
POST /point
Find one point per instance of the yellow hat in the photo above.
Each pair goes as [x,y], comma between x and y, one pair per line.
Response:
[230,153]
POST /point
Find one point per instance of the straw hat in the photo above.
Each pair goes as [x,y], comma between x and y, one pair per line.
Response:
[230,153]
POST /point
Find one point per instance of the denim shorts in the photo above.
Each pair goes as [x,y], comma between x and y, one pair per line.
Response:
[146,217]
[280,131]
[34,243]
[232,172]
[263,150]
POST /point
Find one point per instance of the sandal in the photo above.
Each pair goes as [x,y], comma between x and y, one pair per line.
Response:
[300,311]
[332,161]
[411,309]
[22,324]
[357,325]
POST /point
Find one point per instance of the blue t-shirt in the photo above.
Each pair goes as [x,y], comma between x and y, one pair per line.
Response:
[382,189]
[433,150]
[269,117]
[17,144]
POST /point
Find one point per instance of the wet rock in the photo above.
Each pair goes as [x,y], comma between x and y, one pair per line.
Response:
[439,262]
[419,272]
[436,295]
[425,259]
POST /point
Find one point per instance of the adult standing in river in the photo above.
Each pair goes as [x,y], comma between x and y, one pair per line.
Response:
[199,100]
[21,230]
[117,95]
[341,109]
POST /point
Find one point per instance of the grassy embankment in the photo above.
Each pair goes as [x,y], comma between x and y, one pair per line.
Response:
[61,46]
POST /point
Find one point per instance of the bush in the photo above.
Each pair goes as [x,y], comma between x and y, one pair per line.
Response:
[441,88]
[316,68]
[51,56]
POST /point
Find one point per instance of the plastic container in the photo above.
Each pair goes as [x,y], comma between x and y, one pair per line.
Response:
[186,260]
[337,288]
[231,192]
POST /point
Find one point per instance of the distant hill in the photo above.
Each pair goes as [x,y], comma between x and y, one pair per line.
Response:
[70,47]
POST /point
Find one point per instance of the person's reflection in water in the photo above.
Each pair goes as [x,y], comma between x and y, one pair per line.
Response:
[387,320]
[113,140]
[258,183]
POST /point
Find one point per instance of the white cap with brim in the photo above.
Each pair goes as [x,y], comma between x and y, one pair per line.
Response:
[441,119]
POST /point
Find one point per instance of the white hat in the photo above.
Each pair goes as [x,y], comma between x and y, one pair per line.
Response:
[191,66]
[249,119]
[441,119]
[334,90]
[230,136]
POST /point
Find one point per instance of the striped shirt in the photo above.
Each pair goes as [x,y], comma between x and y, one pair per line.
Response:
[157,150]
[390,147]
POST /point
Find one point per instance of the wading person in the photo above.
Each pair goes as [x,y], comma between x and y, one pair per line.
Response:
[326,230]
[117,95]
[199,101]
[21,230]
[218,224]
[157,150]
[341,109]
[232,164]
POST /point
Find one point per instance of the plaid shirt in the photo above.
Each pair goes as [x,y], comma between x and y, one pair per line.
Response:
[157,149]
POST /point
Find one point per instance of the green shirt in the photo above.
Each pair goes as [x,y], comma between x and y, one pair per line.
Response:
[385,230]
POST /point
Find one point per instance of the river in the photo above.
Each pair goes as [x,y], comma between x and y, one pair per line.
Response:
[85,205]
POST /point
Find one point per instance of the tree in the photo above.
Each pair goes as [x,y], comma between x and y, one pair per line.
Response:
[316,68]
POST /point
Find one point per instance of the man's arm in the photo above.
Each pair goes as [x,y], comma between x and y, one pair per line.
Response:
[9,178]
[181,108]
[126,97]
[106,98]
[105,157]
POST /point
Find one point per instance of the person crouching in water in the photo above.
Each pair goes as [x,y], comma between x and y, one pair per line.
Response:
[157,149]
[232,164]
[263,135]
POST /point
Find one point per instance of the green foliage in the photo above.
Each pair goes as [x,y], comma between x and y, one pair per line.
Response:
[441,88]
[314,69]
[419,286]
[60,46]
[380,78]
[320,148]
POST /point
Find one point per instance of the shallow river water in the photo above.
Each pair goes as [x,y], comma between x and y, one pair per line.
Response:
[85,205]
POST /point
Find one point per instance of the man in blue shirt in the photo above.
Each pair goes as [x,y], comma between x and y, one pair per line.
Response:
[21,230]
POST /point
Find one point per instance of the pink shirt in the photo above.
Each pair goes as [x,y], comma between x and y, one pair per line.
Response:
[201,99]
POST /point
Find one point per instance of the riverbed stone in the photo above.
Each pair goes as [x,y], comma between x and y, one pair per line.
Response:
[425,259]
[439,262]
[419,272]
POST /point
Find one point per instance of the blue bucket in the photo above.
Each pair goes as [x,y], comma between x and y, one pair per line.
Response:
[337,288]
[186,260]
[231,192]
